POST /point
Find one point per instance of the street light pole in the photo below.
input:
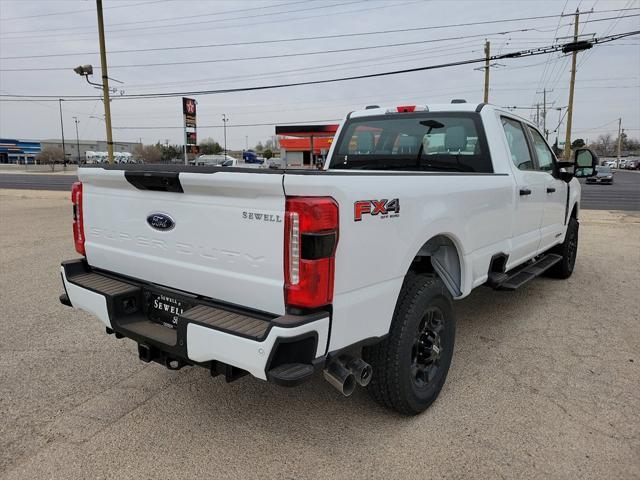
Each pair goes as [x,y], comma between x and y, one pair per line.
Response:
[77,138]
[64,153]
[224,128]
[105,82]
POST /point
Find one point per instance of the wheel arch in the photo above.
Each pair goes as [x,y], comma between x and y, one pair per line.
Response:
[575,210]
[441,255]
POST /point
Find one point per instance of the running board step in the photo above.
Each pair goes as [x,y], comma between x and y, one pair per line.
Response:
[516,279]
[290,374]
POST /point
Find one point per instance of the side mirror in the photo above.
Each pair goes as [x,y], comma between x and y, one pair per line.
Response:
[585,162]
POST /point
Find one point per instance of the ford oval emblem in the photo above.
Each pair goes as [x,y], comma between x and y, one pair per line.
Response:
[161,221]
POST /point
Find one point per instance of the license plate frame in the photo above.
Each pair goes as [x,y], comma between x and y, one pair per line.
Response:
[164,307]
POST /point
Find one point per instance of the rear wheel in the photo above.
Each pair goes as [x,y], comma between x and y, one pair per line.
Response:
[568,249]
[410,366]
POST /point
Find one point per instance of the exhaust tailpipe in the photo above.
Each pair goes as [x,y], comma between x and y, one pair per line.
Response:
[340,377]
[361,370]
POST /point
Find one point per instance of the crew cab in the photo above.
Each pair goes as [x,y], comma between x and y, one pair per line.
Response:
[350,270]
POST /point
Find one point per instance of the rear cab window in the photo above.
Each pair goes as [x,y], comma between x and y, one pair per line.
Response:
[420,141]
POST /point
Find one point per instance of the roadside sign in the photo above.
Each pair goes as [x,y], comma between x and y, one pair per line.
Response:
[189,112]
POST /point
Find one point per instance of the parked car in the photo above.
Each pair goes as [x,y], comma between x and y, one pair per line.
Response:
[249,156]
[350,270]
[610,163]
[215,160]
[603,175]
[631,165]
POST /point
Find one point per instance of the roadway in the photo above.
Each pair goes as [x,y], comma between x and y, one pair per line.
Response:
[624,194]
[37,181]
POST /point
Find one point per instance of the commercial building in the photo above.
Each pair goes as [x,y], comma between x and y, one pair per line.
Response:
[18,151]
[304,145]
[26,151]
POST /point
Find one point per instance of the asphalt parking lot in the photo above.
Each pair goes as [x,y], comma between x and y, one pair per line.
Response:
[545,383]
[624,194]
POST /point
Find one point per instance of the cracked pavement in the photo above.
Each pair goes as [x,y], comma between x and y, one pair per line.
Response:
[545,383]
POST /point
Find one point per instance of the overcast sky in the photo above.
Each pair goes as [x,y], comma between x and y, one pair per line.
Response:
[607,87]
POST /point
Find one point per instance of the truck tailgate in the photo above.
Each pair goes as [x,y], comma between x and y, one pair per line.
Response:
[227,241]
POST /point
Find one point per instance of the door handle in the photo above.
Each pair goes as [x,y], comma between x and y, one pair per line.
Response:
[550,189]
[525,191]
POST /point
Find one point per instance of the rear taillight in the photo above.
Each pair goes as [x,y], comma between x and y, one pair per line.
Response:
[311,236]
[78,224]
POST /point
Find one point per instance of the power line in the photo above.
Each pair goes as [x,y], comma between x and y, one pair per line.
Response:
[72,12]
[190,24]
[517,54]
[388,45]
[262,57]
[299,122]
[555,35]
[262,7]
[319,37]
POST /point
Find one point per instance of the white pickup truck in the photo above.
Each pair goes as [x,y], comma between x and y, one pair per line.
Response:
[350,269]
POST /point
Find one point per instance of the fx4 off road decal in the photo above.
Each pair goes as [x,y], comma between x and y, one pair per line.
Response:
[385,208]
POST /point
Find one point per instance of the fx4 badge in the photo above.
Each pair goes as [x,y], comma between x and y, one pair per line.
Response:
[384,208]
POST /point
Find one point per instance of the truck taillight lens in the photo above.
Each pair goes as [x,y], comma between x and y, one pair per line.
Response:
[78,224]
[311,236]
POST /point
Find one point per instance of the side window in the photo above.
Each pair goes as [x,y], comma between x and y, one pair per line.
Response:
[517,141]
[545,155]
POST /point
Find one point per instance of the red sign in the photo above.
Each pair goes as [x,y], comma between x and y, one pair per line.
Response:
[189,111]
[192,138]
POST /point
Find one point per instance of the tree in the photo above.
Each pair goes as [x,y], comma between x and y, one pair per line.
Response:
[259,147]
[50,156]
[209,146]
[169,152]
[148,154]
[267,154]
[627,145]
[604,145]
[577,143]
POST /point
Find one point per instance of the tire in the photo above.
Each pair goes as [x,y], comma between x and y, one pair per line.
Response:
[568,249]
[408,372]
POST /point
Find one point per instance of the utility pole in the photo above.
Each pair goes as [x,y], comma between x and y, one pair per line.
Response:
[77,140]
[619,141]
[224,127]
[574,54]
[544,114]
[64,153]
[487,55]
[184,149]
[105,82]
[538,115]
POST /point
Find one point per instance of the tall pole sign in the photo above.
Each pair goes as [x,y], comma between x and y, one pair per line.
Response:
[190,135]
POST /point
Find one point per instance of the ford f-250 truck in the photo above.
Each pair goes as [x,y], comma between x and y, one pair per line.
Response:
[350,270]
